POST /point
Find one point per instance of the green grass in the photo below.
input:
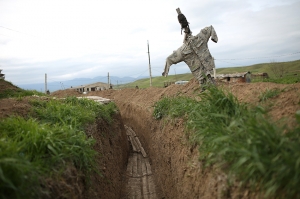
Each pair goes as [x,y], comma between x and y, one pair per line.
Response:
[156,81]
[73,111]
[291,68]
[44,144]
[269,93]
[284,80]
[17,92]
[242,141]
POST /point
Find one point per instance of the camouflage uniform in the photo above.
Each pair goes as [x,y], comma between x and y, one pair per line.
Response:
[195,53]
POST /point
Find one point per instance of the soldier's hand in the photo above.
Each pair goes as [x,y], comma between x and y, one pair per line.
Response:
[163,74]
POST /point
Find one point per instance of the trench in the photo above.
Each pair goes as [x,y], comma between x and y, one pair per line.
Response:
[126,162]
[160,162]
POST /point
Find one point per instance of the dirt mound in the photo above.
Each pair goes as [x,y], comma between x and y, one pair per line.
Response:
[283,105]
[9,107]
[66,93]
[5,86]
[174,161]
[12,106]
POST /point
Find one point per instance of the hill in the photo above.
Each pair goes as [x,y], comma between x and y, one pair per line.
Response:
[57,85]
[288,69]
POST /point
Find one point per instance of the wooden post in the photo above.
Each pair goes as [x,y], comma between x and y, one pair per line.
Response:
[45,83]
[108,86]
[149,65]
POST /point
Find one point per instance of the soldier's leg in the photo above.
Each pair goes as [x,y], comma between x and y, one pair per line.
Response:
[210,80]
[204,80]
[174,58]
[200,76]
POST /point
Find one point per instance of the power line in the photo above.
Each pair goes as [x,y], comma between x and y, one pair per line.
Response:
[21,32]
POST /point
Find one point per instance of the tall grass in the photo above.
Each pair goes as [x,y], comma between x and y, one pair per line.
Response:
[254,149]
[269,93]
[45,144]
[72,111]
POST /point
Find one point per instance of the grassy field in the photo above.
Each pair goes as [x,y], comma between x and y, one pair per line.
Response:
[157,81]
[290,68]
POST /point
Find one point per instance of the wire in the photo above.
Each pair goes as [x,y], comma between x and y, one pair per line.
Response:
[140,73]
[21,32]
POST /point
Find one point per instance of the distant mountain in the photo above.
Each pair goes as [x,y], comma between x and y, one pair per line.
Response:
[53,86]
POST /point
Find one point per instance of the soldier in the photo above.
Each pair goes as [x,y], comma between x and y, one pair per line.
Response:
[194,52]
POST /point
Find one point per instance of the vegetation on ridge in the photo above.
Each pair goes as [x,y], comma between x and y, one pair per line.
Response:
[43,145]
[254,149]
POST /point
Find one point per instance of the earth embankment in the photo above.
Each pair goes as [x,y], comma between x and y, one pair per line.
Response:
[174,161]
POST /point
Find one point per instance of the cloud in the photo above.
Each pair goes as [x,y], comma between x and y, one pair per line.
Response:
[73,39]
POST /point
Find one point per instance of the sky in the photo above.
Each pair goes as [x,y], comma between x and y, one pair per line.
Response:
[68,39]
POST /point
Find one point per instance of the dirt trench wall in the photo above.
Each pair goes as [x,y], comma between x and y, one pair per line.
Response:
[113,149]
[178,172]
[175,165]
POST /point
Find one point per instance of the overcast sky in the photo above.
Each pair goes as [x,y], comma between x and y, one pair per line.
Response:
[70,39]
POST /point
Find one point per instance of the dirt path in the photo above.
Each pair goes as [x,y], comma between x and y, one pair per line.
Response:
[140,182]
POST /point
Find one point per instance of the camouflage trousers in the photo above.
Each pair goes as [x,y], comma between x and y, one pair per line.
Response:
[204,77]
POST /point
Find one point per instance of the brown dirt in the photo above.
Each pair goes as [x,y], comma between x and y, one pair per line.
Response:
[9,107]
[4,85]
[113,149]
[174,162]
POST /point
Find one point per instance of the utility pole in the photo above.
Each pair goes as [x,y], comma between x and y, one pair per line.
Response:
[45,83]
[108,81]
[149,65]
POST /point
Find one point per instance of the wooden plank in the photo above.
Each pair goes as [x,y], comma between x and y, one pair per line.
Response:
[151,188]
[144,168]
[143,152]
[128,133]
[139,165]
[132,132]
[129,166]
[138,142]
[149,172]
[133,144]
[145,187]
[134,167]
